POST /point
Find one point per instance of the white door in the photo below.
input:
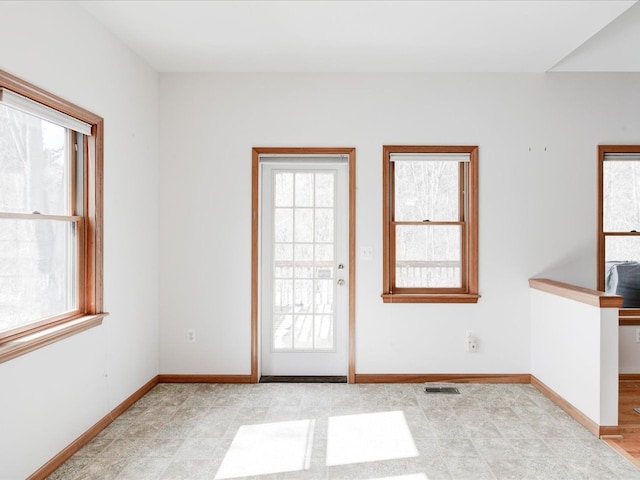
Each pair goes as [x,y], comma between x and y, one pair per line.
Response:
[304,266]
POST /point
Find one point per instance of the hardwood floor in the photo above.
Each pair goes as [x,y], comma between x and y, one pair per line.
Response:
[629,421]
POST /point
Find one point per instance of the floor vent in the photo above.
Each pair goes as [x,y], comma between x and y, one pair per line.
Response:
[449,390]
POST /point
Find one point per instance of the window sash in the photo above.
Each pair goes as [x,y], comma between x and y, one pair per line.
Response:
[462,255]
[78,275]
[462,160]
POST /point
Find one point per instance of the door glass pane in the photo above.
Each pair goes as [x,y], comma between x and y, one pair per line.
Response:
[428,256]
[426,190]
[304,224]
[304,270]
[283,189]
[303,332]
[304,189]
[324,296]
[282,332]
[282,296]
[324,254]
[38,270]
[304,260]
[324,190]
[283,224]
[303,295]
[34,171]
[283,260]
[324,225]
[621,196]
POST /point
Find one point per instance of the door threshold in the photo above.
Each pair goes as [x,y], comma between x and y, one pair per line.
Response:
[302,379]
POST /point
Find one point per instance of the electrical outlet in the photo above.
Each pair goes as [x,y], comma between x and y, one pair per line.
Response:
[637,335]
[191,336]
[472,343]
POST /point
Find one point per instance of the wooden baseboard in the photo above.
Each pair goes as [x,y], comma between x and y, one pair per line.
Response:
[577,415]
[171,378]
[53,464]
[629,377]
[442,377]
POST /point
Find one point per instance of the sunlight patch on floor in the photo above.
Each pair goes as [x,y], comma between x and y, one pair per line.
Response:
[369,437]
[268,448]
[411,476]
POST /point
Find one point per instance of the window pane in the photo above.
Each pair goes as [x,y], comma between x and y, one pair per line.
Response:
[621,249]
[38,270]
[426,191]
[34,171]
[621,196]
[428,256]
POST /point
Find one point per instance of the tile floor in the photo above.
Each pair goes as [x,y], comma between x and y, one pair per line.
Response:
[340,431]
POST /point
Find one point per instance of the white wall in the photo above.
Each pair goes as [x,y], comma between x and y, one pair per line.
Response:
[537,136]
[574,352]
[51,396]
[629,350]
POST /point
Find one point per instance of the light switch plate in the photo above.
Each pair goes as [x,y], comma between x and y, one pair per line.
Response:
[366,252]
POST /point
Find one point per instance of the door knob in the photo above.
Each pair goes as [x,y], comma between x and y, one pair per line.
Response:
[340,281]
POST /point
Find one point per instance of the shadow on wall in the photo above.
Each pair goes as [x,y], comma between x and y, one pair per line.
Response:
[577,267]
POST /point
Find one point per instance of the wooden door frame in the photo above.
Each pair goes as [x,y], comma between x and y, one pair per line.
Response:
[255,247]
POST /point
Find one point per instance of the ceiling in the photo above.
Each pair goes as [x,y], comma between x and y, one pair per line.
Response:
[378,36]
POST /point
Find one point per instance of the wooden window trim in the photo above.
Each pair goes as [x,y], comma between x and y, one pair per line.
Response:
[90,312]
[602,235]
[468,293]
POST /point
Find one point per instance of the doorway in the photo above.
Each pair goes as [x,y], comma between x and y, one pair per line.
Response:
[303,268]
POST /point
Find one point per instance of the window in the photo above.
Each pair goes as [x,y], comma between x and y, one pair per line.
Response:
[619,221]
[50,217]
[430,217]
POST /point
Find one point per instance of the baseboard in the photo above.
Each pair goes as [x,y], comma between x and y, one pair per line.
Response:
[171,378]
[629,377]
[53,464]
[577,415]
[442,377]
